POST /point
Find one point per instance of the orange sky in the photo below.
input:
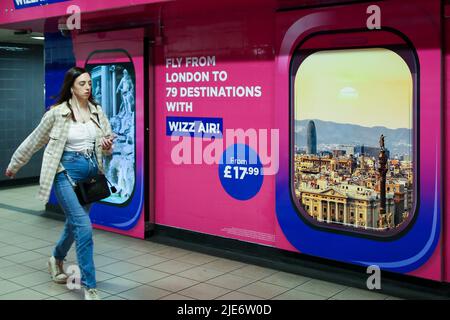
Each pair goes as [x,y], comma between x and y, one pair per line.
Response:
[368,87]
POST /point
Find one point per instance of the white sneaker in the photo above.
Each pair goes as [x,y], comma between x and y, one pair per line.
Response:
[56,271]
[91,294]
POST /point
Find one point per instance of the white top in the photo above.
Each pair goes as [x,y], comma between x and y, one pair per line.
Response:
[81,136]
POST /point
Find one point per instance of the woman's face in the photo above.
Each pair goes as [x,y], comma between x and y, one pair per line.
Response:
[82,86]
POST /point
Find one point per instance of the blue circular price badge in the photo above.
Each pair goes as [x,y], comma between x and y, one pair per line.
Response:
[241,172]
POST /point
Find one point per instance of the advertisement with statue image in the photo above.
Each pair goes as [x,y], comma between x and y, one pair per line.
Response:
[114,89]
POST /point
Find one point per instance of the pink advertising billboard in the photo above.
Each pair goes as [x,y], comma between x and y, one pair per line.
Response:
[313,130]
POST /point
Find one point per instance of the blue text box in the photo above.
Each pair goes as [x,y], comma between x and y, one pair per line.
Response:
[194,127]
[22,4]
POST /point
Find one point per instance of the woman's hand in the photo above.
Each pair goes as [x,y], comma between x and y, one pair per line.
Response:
[107,142]
[9,173]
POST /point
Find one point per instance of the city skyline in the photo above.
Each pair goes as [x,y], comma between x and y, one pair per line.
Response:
[353,185]
[330,136]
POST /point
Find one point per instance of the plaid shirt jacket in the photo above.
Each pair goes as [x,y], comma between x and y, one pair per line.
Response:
[53,131]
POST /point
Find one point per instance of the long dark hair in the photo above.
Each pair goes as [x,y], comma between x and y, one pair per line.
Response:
[65,93]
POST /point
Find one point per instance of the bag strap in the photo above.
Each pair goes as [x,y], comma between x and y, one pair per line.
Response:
[111,186]
[70,179]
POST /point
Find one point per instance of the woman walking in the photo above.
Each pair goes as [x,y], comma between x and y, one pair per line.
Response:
[77,134]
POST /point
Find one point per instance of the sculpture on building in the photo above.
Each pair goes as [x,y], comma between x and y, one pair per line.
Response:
[126,89]
[98,92]
[121,168]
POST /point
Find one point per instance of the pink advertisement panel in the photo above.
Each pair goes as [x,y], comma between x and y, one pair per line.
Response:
[315,131]
[116,63]
[346,137]
[215,93]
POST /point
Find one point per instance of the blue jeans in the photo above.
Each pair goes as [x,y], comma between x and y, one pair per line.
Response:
[78,225]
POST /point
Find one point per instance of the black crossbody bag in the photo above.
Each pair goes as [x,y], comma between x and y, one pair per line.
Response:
[92,189]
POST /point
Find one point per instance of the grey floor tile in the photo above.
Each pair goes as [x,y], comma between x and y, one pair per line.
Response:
[101,260]
[358,294]
[47,235]
[145,275]
[7,287]
[18,239]
[230,281]
[24,257]
[253,272]
[321,288]
[10,250]
[13,226]
[173,283]
[263,290]
[172,253]
[120,268]
[197,258]
[204,291]
[128,242]
[46,251]
[224,265]
[24,294]
[104,248]
[113,297]
[123,254]
[155,246]
[103,276]
[235,295]
[176,296]
[79,295]
[51,288]
[148,247]
[49,224]
[34,244]
[71,295]
[298,295]
[35,220]
[4,234]
[5,263]
[144,292]
[117,285]
[31,279]
[172,266]
[287,280]
[147,260]
[15,271]
[9,215]
[38,264]
[200,274]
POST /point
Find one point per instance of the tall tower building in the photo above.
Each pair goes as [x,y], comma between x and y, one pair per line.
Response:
[311,138]
[382,170]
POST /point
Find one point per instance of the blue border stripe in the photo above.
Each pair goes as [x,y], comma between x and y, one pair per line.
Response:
[23,4]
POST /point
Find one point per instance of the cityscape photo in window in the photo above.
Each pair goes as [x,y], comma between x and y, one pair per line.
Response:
[353,139]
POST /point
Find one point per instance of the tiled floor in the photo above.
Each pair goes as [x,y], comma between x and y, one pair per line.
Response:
[134,269]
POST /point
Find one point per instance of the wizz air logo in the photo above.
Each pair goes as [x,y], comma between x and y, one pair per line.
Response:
[21,4]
